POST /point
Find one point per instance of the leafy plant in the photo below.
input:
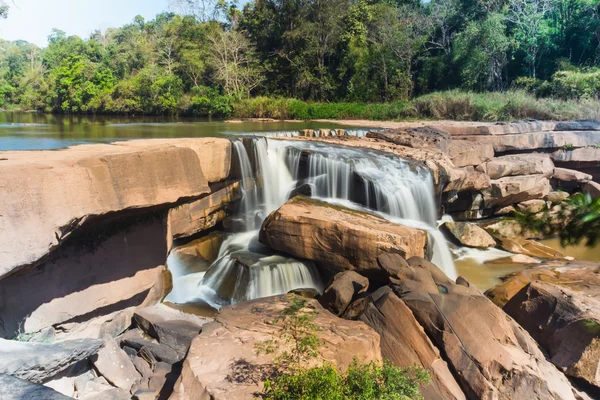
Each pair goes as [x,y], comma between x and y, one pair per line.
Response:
[568,146]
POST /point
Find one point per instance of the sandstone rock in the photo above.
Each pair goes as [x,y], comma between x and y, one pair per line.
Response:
[570,175]
[13,388]
[565,323]
[152,351]
[585,160]
[405,344]
[100,389]
[517,259]
[579,276]
[115,365]
[578,125]
[38,362]
[222,360]
[470,235]
[422,137]
[100,179]
[528,247]
[302,190]
[466,153]
[191,218]
[557,196]
[532,206]
[592,188]
[508,228]
[344,288]
[507,210]
[467,179]
[520,164]
[538,141]
[392,264]
[500,128]
[338,238]
[515,189]
[493,357]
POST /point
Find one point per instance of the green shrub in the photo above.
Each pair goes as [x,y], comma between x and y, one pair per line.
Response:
[576,84]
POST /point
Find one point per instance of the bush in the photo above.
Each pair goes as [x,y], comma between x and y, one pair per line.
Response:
[576,84]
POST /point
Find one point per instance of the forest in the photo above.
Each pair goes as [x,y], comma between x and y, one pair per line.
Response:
[321,58]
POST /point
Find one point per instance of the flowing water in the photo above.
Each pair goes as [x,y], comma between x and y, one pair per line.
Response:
[395,189]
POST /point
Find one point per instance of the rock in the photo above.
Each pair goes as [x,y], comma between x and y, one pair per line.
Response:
[307,293]
[151,350]
[99,389]
[141,366]
[532,206]
[515,189]
[338,238]
[538,140]
[507,228]
[494,358]
[592,188]
[392,264]
[579,276]
[565,323]
[465,153]
[342,291]
[507,210]
[38,362]
[115,365]
[223,365]
[405,344]
[578,125]
[528,247]
[499,128]
[519,164]
[191,218]
[586,160]
[421,137]
[557,196]
[13,388]
[570,175]
[302,190]
[100,179]
[466,179]
[469,235]
[517,259]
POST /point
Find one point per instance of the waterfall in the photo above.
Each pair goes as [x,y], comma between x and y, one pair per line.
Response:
[398,190]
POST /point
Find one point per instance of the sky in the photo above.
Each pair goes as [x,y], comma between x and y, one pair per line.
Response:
[33,20]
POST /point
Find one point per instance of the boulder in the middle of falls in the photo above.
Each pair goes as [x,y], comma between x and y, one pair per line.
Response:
[338,238]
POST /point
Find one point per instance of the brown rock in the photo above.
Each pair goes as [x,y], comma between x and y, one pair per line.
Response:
[557,196]
[592,188]
[570,175]
[470,235]
[520,164]
[491,355]
[419,138]
[115,365]
[500,128]
[405,344]
[532,206]
[338,238]
[538,140]
[344,288]
[565,323]
[515,189]
[528,247]
[465,153]
[517,259]
[222,361]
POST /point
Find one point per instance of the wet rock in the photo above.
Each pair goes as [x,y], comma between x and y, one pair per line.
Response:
[404,343]
[492,356]
[470,235]
[344,288]
[465,153]
[517,259]
[529,248]
[338,238]
[302,190]
[532,206]
[13,388]
[570,175]
[115,365]
[515,189]
[39,362]
[578,125]
[513,165]
[222,363]
[420,138]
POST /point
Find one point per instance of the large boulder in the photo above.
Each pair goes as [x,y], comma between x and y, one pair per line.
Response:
[115,365]
[344,288]
[405,344]
[223,363]
[520,164]
[586,160]
[538,140]
[39,362]
[470,235]
[420,138]
[515,189]
[13,388]
[528,247]
[338,238]
[565,323]
[489,353]
[570,175]
[578,125]
[465,153]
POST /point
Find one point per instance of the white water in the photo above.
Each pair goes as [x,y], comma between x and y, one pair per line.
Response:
[397,190]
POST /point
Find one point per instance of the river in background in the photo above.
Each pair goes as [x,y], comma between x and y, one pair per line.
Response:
[35,131]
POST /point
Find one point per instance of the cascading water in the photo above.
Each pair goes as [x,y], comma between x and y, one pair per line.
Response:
[395,189]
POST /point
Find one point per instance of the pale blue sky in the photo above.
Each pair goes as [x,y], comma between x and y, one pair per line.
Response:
[32,20]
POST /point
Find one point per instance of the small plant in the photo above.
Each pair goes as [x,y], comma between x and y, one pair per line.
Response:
[294,380]
[568,146]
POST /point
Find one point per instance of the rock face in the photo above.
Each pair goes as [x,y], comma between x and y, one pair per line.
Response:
[492,356]
[515,189]
[38,362]
[526,164]
[19,389]
[338,238]
[116,366]
[344,288]
[222,361]
[593,189]
[470,235]
[529,248]
[565,323]
[570,175]
[405,344]
[465,153]
[419,138]
[578,125]
[539,140]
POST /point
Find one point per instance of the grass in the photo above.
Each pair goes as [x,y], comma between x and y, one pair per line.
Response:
[454,105]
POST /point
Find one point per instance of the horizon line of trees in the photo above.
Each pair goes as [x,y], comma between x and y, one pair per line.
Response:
[210,54]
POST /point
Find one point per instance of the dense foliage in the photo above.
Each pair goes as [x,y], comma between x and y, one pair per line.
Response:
[211,57]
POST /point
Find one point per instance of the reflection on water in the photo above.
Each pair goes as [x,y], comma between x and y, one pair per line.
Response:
[34,131]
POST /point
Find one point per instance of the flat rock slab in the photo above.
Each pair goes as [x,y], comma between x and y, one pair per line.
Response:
[38,362]
[337,237]
[13,388]
[116,366]
[465,153]
[470,234]
[520,164]
[570,175]
[539,140]
[515,189]
[223,365]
